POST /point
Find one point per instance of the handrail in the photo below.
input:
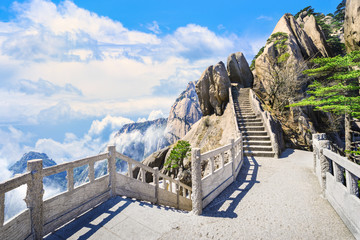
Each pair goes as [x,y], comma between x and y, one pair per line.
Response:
[73,164]
[215,152]
[15,182]
[338,178]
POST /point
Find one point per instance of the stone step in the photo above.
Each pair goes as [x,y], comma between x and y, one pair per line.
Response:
[256,138]
[254,133]
[257,143]
[239,117]
[255,128]
[259,154]
[250,120]
[258,148]
[250,124]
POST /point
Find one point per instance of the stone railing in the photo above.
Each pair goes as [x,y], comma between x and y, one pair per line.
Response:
[43,217]
[338,178]
[231,102]
[272,127]
[221,175]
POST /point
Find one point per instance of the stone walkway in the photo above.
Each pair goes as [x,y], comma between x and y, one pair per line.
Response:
[271,199]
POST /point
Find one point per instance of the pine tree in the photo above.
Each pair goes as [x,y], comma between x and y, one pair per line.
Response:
[336,89]
[177,155]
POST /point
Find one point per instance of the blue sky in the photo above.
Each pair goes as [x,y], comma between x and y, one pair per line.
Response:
[71,72]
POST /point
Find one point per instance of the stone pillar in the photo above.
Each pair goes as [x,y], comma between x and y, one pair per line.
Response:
[34,198]
[196,182]
[242,147]
[2,208]
[112,169]
[324,163]
[156,182]
[233,165]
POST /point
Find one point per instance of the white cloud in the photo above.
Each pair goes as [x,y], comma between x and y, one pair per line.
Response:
[97,127]
[156,114]
[154,27]
[266,18]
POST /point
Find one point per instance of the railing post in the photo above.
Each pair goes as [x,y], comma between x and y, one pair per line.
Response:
[34,198]
[196,182]
[352,183]
[2,208]
[241,147]
[92,171]
[324,163]
[112,169]
[212,165]
[70,179]
[233,159]
[156,182]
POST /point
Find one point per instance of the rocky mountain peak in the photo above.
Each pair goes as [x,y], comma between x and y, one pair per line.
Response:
[183,114]
[21,165]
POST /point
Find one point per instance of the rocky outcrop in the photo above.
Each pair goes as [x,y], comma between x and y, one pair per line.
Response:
[157,159]
[183,114]
[239,71]
[213,90]
[313,30]
[352,25]
[300,47]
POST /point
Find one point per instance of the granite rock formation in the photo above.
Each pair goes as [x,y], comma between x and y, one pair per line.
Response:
[352,25]
[300,46]
[213,90]
[239,71]
[183,114]
[314,31]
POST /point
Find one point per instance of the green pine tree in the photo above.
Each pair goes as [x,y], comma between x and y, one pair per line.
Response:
[177,155]
[336,88]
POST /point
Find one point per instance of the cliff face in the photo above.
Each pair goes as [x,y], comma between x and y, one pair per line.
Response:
[302,44]
[183,114]
[352,25]
[282,65]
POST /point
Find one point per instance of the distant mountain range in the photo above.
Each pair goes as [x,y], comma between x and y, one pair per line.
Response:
[135,140]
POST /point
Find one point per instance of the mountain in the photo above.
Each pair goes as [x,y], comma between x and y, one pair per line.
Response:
[57,180]
[183,114]
[138,140]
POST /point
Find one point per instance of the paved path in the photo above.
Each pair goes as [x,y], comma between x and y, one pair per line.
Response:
[271,199]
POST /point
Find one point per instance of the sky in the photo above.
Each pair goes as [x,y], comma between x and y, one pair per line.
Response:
[73,72]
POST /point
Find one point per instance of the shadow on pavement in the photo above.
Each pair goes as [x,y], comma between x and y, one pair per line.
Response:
[287,153]
[85,220]
[225,204]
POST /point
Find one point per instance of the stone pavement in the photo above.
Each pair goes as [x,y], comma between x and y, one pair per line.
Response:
[271,199]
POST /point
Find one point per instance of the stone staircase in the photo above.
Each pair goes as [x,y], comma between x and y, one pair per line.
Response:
[256,140]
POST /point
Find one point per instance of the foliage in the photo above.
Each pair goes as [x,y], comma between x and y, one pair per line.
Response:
[308,9]
[177,155]
[252,66]
[336,87]
[339,14]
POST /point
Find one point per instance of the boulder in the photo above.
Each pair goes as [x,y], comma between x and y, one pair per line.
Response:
[352,25]
[156,159]
[183,114]
[239,71]
[213,90]
[202,90]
